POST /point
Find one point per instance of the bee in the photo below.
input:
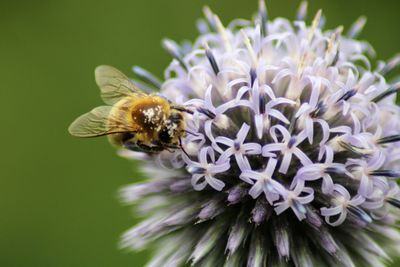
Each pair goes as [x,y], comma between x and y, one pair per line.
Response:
[132,118]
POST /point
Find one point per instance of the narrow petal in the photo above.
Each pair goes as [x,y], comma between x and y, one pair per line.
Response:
[271,147]
[276,114]
[259,123]
[252,148]
[224,140]
[302,157]
[310,130]
[241,135]
[256,189]
[287,157]
[281,207]
[220,167]
[215,183]
[196,184]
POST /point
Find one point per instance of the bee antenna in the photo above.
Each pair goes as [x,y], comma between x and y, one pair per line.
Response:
[183,109]
[188,111]
[183,150]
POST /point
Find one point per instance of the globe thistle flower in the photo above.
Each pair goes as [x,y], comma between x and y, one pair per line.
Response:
[291,155]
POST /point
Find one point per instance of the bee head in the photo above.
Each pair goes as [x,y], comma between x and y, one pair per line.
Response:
[172,129]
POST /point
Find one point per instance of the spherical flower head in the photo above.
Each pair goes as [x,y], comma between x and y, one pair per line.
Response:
[289,158]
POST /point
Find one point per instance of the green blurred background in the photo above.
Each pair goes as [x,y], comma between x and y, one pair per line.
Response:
[58,194]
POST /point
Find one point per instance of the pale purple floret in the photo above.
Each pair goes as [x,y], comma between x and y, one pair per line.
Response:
[309,112]
[263,182]
[204,171]
[363,171]
[316,171]
[382,202]
[295,200]
[213,114]
[237,147]
[287,147]
[264,110]
[342,201]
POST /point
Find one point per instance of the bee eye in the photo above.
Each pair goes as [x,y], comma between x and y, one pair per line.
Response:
[175,117]
[164,136]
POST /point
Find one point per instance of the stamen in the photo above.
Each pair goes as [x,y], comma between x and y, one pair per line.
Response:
[388,92]
[202,26]
[352,167]
[333,43]
[357,27]
[236,145]
[210,17]
[249,47]
[393,64]
[347,95]
[386,173]
[292,124]
[206,112]
[336,58]
[335,35]
[211,59]
[389,139]
[359,213]
[147,77]
[262,103]
[263,17]
[196,170]
[394,202]
[291,142]
[222,32]
[173,50]
[314,25]
[333,170]
[319,110]
[253,76]
[361,152]
[302,11]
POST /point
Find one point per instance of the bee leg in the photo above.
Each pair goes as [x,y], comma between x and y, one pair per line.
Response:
[128,142]
[181,146]
[131,146]
[149,149]
[160,146]
[170,147]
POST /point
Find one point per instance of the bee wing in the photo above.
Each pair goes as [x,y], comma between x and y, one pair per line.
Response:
[114,85]
[97,122]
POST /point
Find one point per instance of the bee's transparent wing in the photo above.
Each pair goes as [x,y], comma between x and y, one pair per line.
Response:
[97,122]
[114,85]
